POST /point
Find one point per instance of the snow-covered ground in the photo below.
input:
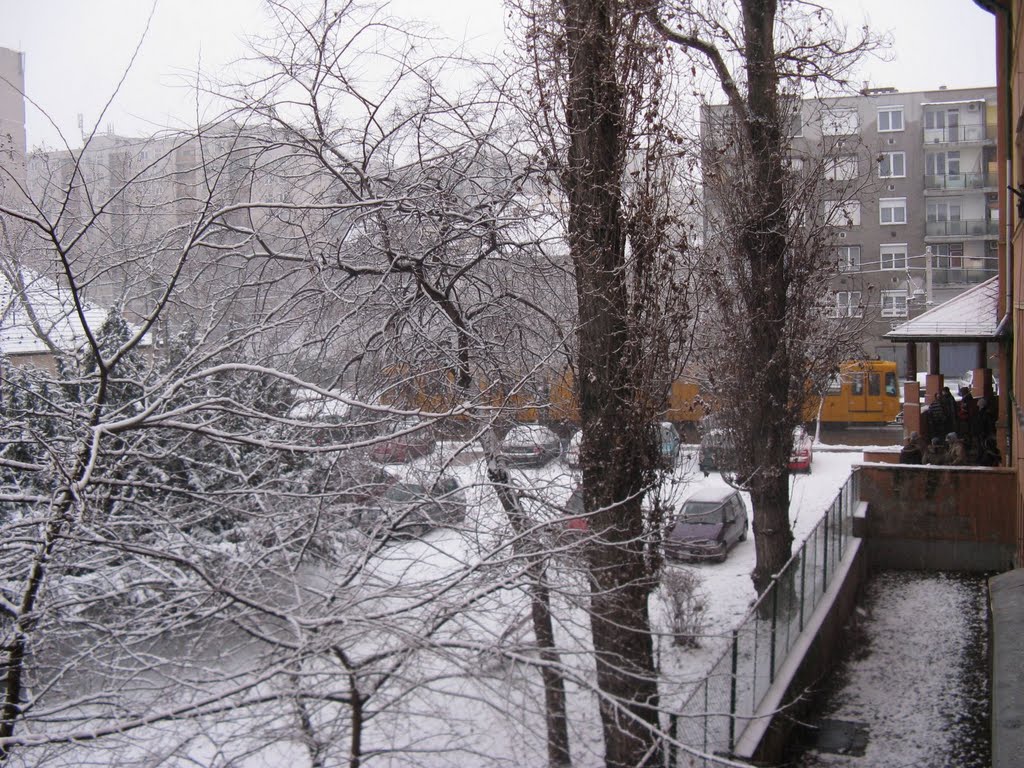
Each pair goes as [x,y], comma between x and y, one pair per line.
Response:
[915,684]
[468,699]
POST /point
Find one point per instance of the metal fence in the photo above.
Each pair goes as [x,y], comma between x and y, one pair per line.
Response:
[713,717]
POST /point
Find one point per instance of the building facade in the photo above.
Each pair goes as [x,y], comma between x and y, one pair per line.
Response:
[915,181]
[12,121]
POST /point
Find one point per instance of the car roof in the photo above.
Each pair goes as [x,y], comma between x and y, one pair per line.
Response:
[712,493]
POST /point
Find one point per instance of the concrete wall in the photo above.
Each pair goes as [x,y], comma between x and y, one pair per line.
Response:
[938,518]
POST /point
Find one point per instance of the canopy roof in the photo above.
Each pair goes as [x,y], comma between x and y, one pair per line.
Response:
[971,316]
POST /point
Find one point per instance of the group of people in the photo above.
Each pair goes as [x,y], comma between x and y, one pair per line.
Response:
[963,432]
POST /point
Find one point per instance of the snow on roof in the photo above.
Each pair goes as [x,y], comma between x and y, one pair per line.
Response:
[971,316]
[55,317]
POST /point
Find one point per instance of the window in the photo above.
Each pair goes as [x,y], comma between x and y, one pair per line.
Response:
[942,125]
[840,121]
[935,119]
[894,304]
[942,217]
[849,258]
[890,119]
[892,165]
[892,210]
[795,164]
[894,256]
[874,385]
[942,163]
[842,168]
[948,255]
[848,304]
[842,213]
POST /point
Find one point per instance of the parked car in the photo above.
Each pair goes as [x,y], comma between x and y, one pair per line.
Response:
[530,445]
[803,451]
[407,509]
[716,447]
[668,442]
[411,440]
[572,451]
[709,524]
[576,521]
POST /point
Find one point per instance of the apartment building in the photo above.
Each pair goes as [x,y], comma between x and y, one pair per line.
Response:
[916,179]
[12,120]
[907,184]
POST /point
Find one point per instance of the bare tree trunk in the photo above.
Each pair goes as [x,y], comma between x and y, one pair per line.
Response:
[614,444]
[555,712]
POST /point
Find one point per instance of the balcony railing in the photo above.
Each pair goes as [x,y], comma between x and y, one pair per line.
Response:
[962,228]
[960,276]
[959,181]
[960,134]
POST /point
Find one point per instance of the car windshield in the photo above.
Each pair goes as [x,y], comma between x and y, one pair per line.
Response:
[703,512]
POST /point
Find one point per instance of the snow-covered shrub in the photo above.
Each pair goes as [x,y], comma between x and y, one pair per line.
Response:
[684,594]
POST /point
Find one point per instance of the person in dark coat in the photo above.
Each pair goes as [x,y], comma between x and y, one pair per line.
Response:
[967,413]
[910,453]
[948,409]
[986,422]
[990,455]
[936,417]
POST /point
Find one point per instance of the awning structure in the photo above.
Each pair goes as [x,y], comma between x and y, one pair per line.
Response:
[973,316]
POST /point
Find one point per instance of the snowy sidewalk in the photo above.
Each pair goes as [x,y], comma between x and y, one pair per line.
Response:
[913,689]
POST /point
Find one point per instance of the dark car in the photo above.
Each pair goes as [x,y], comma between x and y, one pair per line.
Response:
[710,523]
[408,509]
[530,445]
[411,440]
[715,451]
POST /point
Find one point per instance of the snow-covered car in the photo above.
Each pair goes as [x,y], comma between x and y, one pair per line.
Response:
[710,523]
[668,444]
[530,445]
[408,509]
[803,451]
[572,451]
[411,440]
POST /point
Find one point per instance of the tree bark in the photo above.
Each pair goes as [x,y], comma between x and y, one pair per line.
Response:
[614,445]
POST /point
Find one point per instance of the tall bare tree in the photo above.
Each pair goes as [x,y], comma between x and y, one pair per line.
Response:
[598,71]
[769,232]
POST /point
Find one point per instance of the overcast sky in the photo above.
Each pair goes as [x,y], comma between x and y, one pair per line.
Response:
[76,50]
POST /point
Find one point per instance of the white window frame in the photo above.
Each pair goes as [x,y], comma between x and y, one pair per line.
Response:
[892,256]
[892,210]
[841,168]
[847,304]
[892,165]
[795,164]
[894,303]
[849,258]
[890,112]
[840,121]
[840,213]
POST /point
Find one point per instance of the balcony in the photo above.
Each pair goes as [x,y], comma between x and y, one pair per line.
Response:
[961,134]
[959,181]
[962,228]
